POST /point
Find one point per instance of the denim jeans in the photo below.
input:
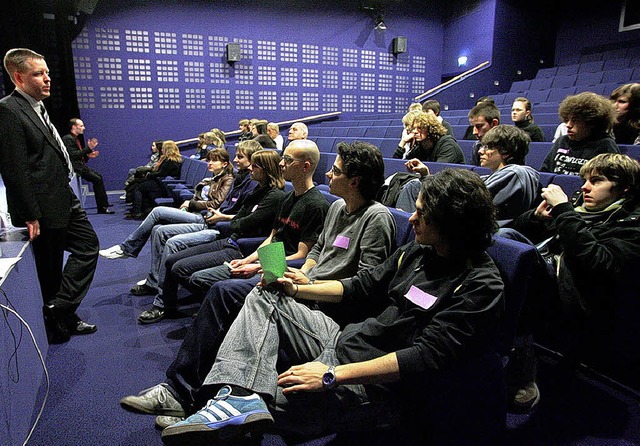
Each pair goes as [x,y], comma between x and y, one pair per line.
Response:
[270,323]
[199,348]
[180,265]
[168,239]
[161,215]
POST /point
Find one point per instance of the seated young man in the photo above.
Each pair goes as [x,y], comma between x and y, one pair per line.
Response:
[589,118]
[359,233]
[443,296]
[594,240]
[514,187]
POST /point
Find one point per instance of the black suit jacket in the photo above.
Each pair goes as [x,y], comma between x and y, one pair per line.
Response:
[33,167]
[78,156]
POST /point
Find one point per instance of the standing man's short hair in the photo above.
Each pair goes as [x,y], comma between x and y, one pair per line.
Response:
[364,160]
[15,60]
[459,204]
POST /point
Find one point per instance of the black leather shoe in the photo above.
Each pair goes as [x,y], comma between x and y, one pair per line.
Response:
[82,328]
[143,290]
[151,316]
[57,331]
[105,211]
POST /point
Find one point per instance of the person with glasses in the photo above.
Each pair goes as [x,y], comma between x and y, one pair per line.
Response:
[298,221]
[257,213]
[442,298]
[359,233]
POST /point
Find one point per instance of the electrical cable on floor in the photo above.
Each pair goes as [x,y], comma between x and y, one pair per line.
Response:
[44,367]
[16,342]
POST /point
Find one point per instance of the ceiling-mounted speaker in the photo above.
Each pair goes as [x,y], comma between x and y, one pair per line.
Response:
[399,45]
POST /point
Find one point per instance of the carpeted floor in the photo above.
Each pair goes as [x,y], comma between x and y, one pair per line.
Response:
[90,374]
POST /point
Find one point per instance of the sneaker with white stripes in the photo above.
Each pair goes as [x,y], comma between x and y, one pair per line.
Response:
[224,417]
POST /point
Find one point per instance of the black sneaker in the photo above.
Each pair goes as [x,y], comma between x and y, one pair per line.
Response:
[143,290]
[151,316]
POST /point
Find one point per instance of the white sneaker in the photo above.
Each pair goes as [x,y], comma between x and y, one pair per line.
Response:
[115,252]
[123,197]
[163,421]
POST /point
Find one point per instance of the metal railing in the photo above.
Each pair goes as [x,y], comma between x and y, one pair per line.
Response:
[452,81]
[305,119]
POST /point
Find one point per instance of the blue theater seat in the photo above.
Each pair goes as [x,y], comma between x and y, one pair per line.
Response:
[568,183]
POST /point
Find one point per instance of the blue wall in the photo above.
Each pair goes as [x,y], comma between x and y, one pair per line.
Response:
[589,27]
[469,35]
[159,72]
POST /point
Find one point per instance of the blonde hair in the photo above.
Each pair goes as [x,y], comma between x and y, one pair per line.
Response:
[171,152]
[429,124]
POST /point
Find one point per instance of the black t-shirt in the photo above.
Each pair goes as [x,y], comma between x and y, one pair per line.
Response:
[300,219]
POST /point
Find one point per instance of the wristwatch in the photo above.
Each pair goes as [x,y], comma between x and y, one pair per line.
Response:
[329,379]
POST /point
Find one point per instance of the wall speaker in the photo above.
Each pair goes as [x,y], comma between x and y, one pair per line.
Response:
[233,52]
[399,45]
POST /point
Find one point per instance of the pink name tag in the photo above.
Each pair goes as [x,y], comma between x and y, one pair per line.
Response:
[254,208]
[234,199]
[420,298]
[341,242]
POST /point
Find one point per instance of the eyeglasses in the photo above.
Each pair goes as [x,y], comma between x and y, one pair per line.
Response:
[335,171]
[486,148]
[258,166]
[288,159]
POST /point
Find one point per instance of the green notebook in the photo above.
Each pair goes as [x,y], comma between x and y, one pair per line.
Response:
[272,260]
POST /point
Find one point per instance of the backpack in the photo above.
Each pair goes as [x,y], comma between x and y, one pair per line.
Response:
[390,190]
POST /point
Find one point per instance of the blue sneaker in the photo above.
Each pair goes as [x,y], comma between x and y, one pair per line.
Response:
[224,417]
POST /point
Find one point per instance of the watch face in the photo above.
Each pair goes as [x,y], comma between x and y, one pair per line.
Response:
[329,378]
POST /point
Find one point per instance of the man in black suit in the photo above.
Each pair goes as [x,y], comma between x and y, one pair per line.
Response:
[36,168]
[79,157]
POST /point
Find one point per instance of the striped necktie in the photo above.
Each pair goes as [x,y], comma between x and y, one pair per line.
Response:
[56,135]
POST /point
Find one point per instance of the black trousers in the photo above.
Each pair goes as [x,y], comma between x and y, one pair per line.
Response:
[199,348]
[64,286]
[90,175]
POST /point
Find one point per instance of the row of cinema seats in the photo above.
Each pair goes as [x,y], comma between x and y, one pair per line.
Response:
[537,150]
[193,171]
[569,183]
